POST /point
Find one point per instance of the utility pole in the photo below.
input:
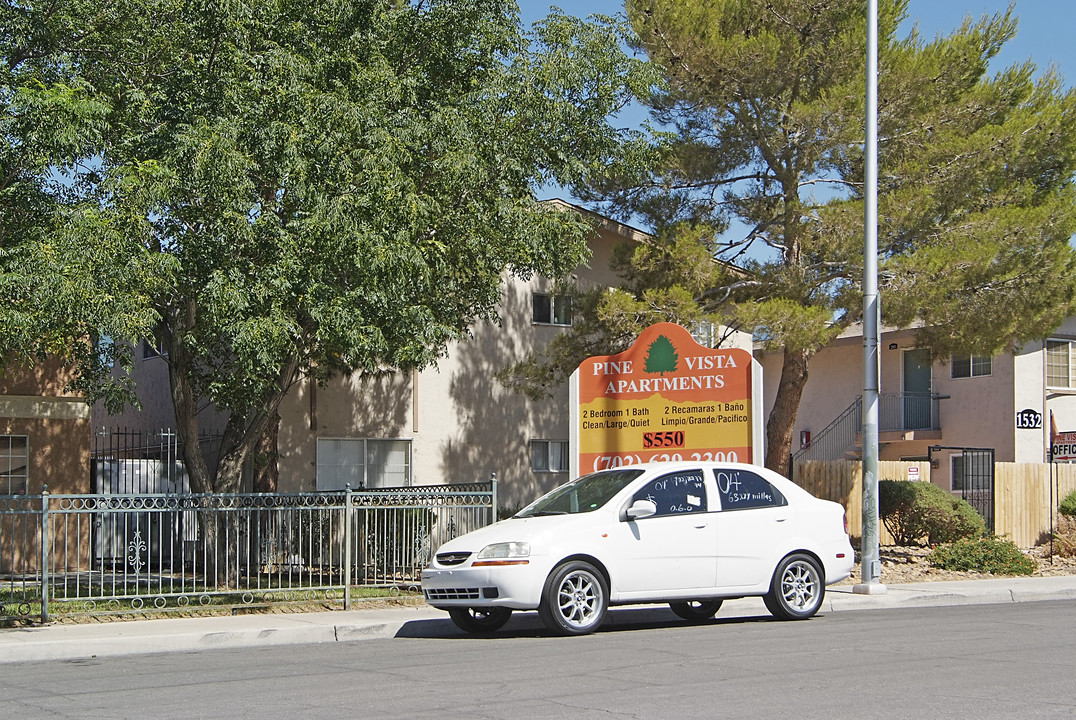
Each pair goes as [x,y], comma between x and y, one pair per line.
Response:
[870,572]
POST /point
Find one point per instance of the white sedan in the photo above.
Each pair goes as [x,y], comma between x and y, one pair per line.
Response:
[689,534]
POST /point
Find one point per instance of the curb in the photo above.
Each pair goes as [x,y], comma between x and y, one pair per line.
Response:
[97,640]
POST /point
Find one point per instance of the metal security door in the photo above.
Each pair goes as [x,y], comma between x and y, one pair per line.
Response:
[978,487]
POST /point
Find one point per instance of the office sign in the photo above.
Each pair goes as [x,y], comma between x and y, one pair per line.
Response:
[666,398]
[1062,444]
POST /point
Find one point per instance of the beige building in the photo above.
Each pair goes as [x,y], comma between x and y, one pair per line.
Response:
[934,410]
[453,423]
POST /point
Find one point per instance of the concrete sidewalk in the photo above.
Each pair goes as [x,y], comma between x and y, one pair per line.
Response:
[83,641]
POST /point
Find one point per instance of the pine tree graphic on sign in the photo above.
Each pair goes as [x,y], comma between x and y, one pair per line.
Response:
[661,356]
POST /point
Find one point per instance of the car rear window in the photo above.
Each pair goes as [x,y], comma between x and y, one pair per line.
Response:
[743,489]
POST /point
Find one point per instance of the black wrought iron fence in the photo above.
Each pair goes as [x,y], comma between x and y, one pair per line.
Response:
[63,554]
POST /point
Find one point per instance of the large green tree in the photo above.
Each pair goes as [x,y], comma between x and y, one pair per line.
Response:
[51,124]
[762,169]
[280,188]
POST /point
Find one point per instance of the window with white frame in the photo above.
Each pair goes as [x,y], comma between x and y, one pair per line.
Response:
[1059,370]
[967,467]
[705,334]
[967,366]
[362,463]
[549,309]
[549,455]
[14,464]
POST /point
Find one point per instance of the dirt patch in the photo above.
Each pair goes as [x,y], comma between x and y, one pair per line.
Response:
[911,565]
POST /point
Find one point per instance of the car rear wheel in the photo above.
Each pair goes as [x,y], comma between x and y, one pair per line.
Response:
[695,610]
[574,600]
[480,620]
[797,589]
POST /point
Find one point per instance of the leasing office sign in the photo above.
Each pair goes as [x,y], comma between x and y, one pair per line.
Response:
[666,398]
[1062,444]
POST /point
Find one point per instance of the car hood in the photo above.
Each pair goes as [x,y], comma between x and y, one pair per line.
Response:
[533,530]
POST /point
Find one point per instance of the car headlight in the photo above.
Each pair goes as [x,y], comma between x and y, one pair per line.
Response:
[506,553]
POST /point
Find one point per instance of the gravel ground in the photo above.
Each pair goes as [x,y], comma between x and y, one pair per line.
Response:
[910,565]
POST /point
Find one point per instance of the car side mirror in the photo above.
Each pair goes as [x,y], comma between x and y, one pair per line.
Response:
[641,509]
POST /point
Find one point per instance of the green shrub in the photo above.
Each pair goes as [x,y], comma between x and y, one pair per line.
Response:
[998,556]
[912,511]
[1068,505]
[896,500]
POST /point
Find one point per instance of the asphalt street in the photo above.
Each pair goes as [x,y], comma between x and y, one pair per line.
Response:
[98,640]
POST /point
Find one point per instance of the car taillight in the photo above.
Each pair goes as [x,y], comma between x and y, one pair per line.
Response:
[844,516]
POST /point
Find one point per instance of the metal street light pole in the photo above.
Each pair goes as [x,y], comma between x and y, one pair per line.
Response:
[870,564]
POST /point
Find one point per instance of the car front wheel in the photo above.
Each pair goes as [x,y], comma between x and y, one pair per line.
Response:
[480,620]
[574,600]
[797,589]
[696,610]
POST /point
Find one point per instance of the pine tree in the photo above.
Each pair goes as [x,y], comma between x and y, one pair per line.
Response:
[762,170]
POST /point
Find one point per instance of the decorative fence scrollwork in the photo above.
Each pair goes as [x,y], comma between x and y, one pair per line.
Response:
[119,553]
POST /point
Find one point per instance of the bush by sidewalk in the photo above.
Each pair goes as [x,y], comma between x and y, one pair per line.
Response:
[994,555]
[914,511]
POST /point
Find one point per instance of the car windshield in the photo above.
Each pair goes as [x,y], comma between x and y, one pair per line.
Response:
[585,494]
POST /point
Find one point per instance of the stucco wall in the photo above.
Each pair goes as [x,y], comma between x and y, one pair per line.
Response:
[463,424]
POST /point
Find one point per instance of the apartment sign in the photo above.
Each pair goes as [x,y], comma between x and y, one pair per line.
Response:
[666,398]
[1062,444]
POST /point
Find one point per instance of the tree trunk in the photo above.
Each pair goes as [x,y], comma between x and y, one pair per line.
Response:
[242,435]
[266,469]
[782,419]
[185,401]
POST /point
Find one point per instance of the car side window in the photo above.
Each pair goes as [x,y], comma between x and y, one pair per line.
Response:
[743,489]
[675,493]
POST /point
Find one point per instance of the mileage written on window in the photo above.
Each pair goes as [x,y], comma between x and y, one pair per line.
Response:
[741,489]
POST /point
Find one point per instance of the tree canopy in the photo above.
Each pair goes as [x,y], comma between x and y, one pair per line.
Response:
[278,188]
[761,169]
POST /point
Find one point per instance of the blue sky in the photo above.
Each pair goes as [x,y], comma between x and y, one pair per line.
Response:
[1045,34]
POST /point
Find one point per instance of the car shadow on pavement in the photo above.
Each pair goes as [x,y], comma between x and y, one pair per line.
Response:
[527,624]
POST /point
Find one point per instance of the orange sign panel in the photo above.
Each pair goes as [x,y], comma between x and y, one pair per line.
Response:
[666,398]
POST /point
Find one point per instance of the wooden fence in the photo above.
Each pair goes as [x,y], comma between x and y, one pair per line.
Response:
[1023,500]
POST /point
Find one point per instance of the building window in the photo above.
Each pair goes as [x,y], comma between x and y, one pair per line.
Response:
[969,472]
[152,350]
[14,464]
[549,456]
[362,463]
[705,334]
[966,366]
[1059,364]
[956,472]
[551,309]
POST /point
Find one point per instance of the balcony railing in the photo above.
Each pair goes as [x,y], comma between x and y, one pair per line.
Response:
[897,412]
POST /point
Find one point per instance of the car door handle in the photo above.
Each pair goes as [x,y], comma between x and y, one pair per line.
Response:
[701,526]
[781,519]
